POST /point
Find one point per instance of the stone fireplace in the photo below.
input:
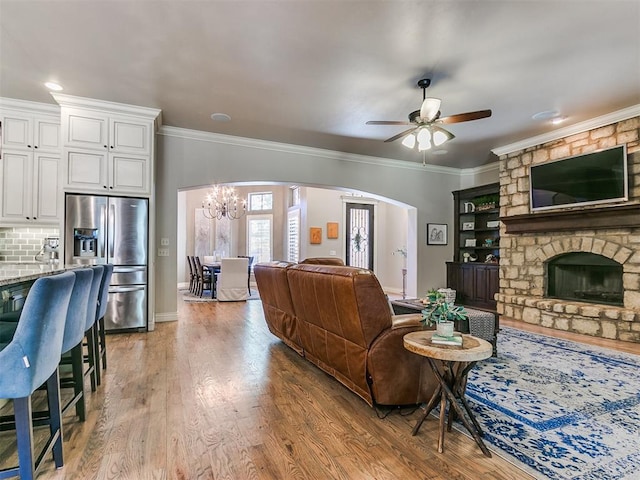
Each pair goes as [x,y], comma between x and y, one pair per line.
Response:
[575,269]
[585,277]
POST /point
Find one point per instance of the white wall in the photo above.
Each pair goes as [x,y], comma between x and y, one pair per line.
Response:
[320,206]
[189,159]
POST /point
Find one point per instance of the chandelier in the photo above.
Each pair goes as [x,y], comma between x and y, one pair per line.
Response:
[223,202]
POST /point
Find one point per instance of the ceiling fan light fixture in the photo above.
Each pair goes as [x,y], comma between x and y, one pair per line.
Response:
[424,146]
[440,136]
[409,141]
[429,109]
[424,135]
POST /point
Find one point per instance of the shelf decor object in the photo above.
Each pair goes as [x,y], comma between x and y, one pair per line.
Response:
[436,233]
[469,226]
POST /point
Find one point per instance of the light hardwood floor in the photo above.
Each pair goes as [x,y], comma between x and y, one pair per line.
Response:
[216,396]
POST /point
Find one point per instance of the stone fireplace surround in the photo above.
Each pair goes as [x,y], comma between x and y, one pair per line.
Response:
[530,240]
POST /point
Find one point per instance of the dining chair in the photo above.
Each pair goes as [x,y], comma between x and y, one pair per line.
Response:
[192,275]
[204,278]
[231,282]
[30,360]
[250,257]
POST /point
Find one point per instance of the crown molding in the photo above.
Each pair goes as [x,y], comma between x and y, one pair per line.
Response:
[489,168]
[106,106]
[30,107]
[300,150]
[585,126]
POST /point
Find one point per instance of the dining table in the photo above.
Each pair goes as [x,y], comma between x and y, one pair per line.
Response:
[213,268]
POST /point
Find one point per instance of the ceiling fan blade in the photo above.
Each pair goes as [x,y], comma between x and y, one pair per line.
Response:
[465,117]
[429,109]
[400,135]
[388,122]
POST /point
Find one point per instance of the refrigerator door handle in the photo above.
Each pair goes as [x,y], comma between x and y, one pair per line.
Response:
[126,289]
[112,230]
[103,233]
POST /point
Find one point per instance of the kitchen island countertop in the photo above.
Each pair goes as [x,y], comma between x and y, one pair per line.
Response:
[12,272]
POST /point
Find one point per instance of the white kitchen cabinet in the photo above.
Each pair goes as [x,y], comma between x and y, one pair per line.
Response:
[92,130]
[24,131]
[30,188]
[31,147]
[107,147]
[107,172]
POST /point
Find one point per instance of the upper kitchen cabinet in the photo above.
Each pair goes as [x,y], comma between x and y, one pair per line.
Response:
[30,175]
[30,126]
[107,147]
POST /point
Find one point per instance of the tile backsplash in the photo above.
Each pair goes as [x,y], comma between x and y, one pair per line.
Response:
[22,244]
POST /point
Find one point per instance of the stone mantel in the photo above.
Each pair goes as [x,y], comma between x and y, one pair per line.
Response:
[618,216]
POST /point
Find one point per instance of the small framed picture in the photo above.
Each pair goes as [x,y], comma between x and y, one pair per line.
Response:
[332,229]
[470,242]
[468,226]
[436,233]
[315,235]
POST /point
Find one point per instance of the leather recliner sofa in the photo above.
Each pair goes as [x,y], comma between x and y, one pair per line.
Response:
[339,319]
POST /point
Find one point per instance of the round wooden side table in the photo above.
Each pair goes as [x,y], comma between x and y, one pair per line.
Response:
[456,362]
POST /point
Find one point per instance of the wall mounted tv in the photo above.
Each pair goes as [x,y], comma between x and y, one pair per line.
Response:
[589,179]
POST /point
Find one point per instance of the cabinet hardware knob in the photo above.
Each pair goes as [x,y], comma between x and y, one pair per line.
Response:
[35,146]
[28,218]
[105,146]
[104,186]
[28,146]
[111,188]
[111,146]
[35,218]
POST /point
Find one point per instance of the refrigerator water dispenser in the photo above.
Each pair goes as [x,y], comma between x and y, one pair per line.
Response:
[85,242]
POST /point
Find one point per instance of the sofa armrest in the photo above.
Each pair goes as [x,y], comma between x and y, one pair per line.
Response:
[398,376]
[406,320]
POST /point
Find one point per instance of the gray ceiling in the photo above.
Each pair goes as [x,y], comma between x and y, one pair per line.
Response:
[313,72]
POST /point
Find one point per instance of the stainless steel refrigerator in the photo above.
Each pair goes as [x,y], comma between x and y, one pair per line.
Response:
[112,230]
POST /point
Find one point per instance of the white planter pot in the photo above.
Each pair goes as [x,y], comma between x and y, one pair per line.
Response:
[445,329]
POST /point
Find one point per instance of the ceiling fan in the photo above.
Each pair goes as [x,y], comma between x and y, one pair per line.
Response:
[426,131]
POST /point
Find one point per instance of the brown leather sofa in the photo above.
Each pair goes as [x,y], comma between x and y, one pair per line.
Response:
[339,319]
[322,261]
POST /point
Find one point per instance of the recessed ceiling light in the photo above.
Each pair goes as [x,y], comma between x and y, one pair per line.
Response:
[558,120]
[53,86]
[546,115]
[220,117]
[439,152]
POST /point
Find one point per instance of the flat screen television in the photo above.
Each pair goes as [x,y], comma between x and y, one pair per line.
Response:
[588,179]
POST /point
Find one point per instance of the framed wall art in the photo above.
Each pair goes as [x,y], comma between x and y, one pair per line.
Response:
[315,235]
[436,233]
[332,229]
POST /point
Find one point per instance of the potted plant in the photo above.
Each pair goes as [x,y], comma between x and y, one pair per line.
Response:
[441,313]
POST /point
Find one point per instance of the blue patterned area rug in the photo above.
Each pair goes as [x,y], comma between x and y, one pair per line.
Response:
[563,409]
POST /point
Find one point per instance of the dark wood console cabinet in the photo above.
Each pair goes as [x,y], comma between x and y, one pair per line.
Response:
[475,283]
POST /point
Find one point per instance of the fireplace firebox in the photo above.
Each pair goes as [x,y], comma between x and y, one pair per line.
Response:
[585,277]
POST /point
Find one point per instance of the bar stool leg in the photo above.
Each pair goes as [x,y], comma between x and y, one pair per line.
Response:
[55,415]
[24,433]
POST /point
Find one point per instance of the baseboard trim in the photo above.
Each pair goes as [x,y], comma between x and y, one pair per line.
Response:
[166,317]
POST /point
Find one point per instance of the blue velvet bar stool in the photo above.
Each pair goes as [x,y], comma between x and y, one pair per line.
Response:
[72,352]
[103,300]
[31,359]
[90,327]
